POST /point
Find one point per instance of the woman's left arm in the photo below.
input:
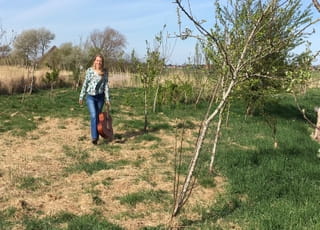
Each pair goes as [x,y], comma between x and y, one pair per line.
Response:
[106,89]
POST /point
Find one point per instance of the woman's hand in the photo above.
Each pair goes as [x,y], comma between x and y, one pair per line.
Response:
[108,104]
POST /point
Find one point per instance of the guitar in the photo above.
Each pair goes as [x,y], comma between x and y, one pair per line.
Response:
[105,125]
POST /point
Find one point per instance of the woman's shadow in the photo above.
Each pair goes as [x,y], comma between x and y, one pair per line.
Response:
[123,137]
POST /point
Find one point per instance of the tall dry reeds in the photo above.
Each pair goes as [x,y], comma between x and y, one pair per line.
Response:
[15,79]
[124,79]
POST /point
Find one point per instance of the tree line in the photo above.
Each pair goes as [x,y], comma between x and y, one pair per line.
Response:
[33,47]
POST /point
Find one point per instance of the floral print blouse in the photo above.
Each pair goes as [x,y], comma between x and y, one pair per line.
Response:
[95,84]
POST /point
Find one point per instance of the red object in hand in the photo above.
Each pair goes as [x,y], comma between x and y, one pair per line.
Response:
[105,125]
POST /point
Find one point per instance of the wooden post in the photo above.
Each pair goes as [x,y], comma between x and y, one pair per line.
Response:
[316,135]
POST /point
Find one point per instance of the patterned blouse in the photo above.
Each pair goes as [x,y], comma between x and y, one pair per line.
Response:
[94,84]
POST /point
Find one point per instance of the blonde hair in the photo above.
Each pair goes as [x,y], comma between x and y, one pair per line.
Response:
[99,71]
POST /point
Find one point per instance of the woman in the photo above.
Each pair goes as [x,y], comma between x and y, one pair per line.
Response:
[96,89]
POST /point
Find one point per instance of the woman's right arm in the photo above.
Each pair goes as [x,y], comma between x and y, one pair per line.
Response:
[84,88]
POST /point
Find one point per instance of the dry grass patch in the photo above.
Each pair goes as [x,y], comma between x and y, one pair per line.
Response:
[43,156]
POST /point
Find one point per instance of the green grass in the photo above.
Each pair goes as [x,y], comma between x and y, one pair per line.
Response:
[85,222]
[5,218]
[147,137]
[75,153]
[132,199]
[111,149]
[22,116]
[267,188]
[31,183]
[92,167]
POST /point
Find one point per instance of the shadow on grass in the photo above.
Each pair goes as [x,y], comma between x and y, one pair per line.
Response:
[286,111]
[123,137]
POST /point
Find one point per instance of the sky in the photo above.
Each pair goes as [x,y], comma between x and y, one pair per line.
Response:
[138,20]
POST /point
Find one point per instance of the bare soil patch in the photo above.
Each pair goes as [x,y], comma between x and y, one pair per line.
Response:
[42,155]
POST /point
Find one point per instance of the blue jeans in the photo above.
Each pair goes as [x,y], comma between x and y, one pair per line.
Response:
[95,104]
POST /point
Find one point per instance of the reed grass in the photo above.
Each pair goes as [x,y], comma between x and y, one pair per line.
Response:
[15,79]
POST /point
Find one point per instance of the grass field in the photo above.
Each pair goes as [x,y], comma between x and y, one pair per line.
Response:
[51,177]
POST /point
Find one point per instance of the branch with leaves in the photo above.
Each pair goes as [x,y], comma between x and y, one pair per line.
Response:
[250,40]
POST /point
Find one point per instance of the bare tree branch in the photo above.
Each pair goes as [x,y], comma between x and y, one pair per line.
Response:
[206,33]
[316,4]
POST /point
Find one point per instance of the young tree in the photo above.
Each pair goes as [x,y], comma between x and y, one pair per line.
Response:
[247,35]
[161,46]
[148,71]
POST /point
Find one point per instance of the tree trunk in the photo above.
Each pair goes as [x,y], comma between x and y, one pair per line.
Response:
[145,128]
[32,79]
[156,97]
[187,186]
[214,148]
[201,90]
[316,135]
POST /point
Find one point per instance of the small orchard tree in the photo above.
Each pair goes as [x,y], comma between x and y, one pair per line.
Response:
[52,77]
[163,49]
[247,35]
[148,71]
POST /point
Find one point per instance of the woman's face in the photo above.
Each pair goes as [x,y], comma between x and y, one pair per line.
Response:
[98,63]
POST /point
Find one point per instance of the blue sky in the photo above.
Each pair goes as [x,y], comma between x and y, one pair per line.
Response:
[138,20]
